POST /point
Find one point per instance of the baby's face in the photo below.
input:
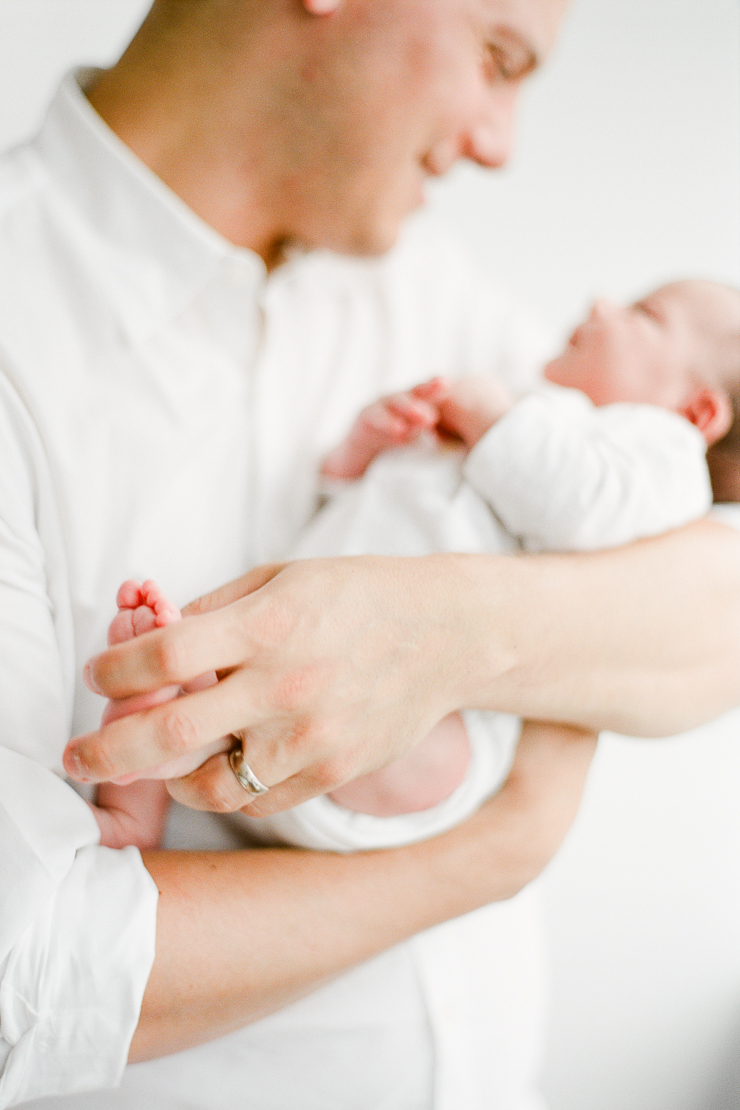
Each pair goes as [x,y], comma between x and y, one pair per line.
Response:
[640,353]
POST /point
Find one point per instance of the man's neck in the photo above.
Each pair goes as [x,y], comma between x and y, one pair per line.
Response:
[197,125]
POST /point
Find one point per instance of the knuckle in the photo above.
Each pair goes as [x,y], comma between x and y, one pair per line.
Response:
[178,731]
[204,790]
[313,740]
[221,797]
[332,773]
[168,657]
[269,623]
[296,689]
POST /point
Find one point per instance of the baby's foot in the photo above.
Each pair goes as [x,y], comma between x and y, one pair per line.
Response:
[390,422]
[142,608]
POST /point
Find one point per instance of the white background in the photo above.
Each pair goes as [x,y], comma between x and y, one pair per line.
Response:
[626,173]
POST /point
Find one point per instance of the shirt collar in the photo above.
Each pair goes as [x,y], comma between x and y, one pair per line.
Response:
[163,255]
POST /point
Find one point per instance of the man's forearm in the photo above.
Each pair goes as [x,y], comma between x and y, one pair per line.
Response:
[333,667]
[242,934]
[643,640]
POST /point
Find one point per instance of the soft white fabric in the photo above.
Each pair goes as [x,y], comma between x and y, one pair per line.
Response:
[564,475]
[321,823]
[726,513]
[163,408]
[561,474]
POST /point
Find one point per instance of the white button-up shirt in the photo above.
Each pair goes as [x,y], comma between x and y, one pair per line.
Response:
[163,407]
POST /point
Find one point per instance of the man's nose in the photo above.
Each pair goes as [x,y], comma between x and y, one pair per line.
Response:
[491,136]
[600,309]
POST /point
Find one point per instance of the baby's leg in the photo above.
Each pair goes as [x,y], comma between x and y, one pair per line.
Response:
[421,779]
[133,814]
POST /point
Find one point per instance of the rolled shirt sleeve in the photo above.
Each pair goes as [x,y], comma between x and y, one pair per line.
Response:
[77,921]
[76,940]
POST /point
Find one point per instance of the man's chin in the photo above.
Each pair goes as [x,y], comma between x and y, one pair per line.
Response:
[364,238]
[369,242]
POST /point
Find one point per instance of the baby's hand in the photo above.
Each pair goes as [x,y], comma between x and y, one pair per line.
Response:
[471,406]
[390,422]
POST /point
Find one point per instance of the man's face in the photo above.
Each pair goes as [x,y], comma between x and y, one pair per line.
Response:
[392,92]
[641,353]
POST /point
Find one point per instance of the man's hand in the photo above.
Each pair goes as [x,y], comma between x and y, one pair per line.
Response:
[328,669]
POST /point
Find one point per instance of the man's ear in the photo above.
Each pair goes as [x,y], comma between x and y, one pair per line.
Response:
[711,411]
[321,7]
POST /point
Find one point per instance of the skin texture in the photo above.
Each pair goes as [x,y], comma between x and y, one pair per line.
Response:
[335,667]
[677,347]
[274,636]
[328,127]
[128,811]
[673,348]
[334,911]
[264,181]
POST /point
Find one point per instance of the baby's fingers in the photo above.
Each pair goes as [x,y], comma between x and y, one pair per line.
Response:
[436,389]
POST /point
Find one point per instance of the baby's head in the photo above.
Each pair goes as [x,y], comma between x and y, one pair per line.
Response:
[678,348]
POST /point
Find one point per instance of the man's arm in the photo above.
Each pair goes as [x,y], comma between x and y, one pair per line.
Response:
[331,668]
[241,934]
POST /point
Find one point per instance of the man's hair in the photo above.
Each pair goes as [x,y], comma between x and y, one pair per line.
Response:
[723,457]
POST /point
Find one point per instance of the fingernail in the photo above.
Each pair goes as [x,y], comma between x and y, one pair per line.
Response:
[87,674]
[73,765]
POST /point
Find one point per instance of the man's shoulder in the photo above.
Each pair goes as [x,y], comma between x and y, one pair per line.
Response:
[20,181]
[19,203]
[32,224]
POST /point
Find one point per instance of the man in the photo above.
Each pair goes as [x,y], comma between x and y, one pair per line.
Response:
[342,172]
[141,426]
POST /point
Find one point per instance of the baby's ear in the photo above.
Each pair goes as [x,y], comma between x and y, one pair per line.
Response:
[711,411]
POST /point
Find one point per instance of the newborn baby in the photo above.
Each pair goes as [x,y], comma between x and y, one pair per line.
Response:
[618,454]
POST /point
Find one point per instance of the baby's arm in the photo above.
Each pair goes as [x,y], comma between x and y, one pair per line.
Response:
[465,408]
[390,421]
[565,475]
[471,407]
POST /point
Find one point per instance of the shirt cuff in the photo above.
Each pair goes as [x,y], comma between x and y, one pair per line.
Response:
[71,992]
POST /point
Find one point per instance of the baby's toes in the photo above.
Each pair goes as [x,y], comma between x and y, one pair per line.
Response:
[121,627]
[144,619]
[129,595]
[164,611]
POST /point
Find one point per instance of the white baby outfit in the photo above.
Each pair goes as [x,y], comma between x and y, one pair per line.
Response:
[555,474]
